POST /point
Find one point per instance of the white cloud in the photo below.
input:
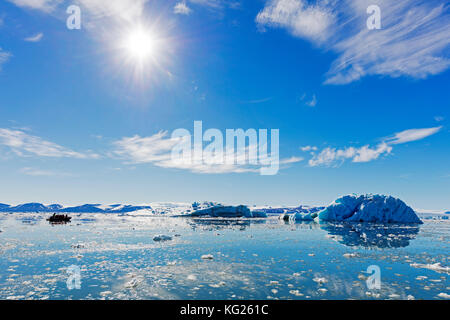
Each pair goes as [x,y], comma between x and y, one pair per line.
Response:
[309,103]
[412,135]
[216,5]
[334,157]
[128,10]
[25,145]
[4,57]
[413,41]
[439,118]
[182,8]
[157,150]
[153,149]
[302,19]
[122,10]
[36,38]
[308,148]
[42,173]
[43,5]
[312,102]
[366,154]
[291,160]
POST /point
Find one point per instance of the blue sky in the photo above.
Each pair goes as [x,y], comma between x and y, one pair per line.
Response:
[358,110]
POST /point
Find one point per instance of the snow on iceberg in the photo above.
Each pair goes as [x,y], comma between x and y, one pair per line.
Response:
[298,216]
[228,212]
[369,208]
[301,213]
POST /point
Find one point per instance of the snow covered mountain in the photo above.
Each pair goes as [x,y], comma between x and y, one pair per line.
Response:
[86,208]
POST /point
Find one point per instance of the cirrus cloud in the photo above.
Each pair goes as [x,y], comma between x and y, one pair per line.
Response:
[413,41]
[23,144]
[332,157]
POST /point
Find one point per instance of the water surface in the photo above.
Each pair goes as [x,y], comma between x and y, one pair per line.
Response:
[252,259]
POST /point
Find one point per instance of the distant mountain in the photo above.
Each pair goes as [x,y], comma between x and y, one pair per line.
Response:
[29,207]
[4,206]
[86,208]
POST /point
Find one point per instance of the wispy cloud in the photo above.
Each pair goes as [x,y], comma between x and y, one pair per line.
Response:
[157,150]
[43,5]
[216,6]
[36,38]
[182,8]
[312,102]
[412,135]
[335,157]
[332,157]
[257,101]
[128,10]
[43,173]
[125,10]
[4,57]
[413,41]
[308,148]
[25,145]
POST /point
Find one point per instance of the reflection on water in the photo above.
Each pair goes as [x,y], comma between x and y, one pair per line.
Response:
[212,224]
[372,235]
[251,258]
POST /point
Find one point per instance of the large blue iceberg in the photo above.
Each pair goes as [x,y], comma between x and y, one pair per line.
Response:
[369,208]
[228,212]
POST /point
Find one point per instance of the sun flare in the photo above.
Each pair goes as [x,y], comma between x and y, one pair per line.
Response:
[140,44]
[143,52]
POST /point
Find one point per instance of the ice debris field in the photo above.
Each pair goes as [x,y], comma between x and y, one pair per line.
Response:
[210,251]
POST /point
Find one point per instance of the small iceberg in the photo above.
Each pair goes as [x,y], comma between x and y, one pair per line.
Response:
[298,216]
[369,208]
[162,237]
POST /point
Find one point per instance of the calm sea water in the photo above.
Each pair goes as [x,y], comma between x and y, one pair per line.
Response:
[258,259]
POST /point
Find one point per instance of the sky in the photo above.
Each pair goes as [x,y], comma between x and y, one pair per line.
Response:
[86,115]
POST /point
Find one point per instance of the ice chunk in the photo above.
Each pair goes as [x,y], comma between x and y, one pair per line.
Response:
[435,267]
[162,238]
[369,208]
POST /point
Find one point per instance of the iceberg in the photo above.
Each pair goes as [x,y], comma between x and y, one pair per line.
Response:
[301,213]
[219,211]
[162,238]
[369,208]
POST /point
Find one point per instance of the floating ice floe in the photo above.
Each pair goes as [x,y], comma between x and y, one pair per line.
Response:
[369,208]
[444,295]
[435,267]
[162,237]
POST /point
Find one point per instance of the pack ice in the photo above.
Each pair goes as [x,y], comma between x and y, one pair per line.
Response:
[369,208]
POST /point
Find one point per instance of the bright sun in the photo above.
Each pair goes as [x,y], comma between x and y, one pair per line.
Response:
[140,44]
[143,51]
